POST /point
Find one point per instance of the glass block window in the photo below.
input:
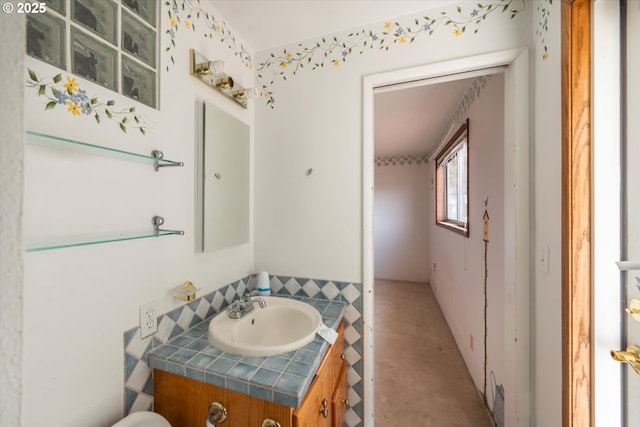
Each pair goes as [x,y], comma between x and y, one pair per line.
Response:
[111,43]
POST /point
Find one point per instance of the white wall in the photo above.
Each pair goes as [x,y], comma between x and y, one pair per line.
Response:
[304,225]
[546,289]
[12,31]
[312,225]
[607,315]
[79,301]
[401,212]
[458,279]
[314,228]
[294,238]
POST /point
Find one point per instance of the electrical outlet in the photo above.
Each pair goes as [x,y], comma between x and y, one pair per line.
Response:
[148,319]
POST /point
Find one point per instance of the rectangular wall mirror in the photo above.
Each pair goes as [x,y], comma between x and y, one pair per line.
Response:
[222,179]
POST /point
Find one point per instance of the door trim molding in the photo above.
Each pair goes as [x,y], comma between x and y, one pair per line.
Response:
[576,214]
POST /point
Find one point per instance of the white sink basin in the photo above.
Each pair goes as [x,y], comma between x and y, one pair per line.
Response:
[282,326]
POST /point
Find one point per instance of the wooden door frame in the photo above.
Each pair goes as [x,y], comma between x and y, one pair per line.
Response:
[577,286]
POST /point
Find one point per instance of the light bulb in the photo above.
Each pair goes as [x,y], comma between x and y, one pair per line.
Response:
[245,93]
[218,66]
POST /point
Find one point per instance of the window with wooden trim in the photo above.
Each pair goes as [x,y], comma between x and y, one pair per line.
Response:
[452,183]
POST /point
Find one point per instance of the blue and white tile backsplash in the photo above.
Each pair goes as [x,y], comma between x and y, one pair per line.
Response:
[138,375]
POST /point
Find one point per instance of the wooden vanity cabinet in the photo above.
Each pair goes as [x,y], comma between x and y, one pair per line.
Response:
[339,401]
[185,402]
[315,410]
[339,385]
[329,385]
[336,354]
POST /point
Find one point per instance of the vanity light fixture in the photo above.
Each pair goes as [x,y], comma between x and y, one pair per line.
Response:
[212,73]
[225,82]
[216,67]
[245,93]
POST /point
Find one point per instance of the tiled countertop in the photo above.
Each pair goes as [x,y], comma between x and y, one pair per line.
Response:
[283,379]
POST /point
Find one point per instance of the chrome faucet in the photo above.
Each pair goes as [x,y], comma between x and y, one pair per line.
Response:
[241,307]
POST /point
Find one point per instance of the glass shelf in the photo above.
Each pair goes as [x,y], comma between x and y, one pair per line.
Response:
[156,157]
[45,245]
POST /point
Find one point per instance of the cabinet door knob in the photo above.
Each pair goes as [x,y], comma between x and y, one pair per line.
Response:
[217,413]
[341,357]
[324,410]
[268,422]
[346,402]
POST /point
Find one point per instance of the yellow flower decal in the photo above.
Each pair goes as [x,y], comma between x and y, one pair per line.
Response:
[283,65]
[71,85]
[402,39]
[73,108]
[387,25]
[457,32]
[79,103]
[289,55]
[172,22]
[335,62]
[218,28]
[187,24]
[545,56]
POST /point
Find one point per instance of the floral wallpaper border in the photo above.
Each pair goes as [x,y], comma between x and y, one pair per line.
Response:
[79,103]
[328,51]
[544,11]
[187,12]
[333,52]
[409,160]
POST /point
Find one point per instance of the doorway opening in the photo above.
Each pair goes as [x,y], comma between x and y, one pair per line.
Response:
[432,277]
[515,209]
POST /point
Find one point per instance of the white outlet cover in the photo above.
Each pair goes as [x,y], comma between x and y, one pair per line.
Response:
[148,319]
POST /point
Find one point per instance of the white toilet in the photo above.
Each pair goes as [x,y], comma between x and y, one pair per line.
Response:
[143,419]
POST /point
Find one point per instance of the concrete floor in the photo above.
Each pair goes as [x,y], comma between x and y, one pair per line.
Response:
[420,377]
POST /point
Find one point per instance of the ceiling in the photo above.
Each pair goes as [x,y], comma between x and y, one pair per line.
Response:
[266,24]
[407,121]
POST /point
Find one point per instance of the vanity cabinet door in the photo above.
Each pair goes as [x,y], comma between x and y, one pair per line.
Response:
[184,402]
[339,401]
[315,410]
[336,356]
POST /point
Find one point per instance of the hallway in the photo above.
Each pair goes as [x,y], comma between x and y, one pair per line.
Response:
[420,377]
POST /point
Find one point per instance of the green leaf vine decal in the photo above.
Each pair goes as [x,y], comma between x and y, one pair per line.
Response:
[183,13]
[78,103]
[334,52]
[330,51]
[543,25]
